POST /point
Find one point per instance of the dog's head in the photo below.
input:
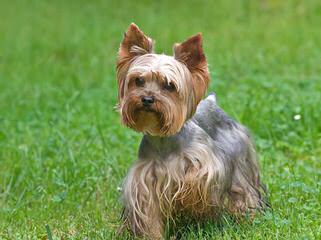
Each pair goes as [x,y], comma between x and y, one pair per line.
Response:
[158,93]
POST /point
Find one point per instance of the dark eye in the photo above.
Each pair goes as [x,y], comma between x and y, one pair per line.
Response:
[139,82]
[170,86]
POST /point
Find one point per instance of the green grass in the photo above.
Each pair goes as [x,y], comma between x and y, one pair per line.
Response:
[63,152]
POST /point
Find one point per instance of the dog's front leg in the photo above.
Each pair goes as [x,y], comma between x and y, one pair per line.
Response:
[142,215]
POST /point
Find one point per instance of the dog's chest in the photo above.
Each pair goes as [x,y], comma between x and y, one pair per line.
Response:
[183,175]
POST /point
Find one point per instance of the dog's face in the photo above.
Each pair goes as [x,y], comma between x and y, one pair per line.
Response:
[158,93]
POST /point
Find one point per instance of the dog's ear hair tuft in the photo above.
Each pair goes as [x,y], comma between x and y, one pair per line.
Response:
[134,40]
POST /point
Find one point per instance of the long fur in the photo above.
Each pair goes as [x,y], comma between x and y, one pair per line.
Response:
[196,165]
[192,173]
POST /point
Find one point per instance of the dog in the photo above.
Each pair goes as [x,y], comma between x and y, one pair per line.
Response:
[193,159]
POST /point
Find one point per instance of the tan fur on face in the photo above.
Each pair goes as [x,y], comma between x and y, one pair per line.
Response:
[148,122]
[172,108]
[187,71]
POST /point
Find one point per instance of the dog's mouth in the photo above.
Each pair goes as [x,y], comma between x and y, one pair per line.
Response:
[147,120]
[146,109]
[150,119]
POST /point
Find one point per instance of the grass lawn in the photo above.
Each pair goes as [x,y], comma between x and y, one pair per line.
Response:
[63,152]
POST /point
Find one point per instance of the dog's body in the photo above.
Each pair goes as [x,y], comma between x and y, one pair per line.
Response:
[208,166]
[189,164]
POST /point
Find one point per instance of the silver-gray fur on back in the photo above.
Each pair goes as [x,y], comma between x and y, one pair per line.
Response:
[210,164]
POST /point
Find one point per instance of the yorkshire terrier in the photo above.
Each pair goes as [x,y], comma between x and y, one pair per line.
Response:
[193,159]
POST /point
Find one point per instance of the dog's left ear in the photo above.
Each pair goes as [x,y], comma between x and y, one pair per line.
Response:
[191,54]
[134,43]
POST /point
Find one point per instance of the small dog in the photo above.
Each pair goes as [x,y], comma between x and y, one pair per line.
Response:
[193,159]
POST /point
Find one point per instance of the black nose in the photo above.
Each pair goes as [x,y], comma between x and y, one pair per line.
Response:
[147,101]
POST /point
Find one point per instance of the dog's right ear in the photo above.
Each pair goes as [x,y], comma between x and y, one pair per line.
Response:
[134,43]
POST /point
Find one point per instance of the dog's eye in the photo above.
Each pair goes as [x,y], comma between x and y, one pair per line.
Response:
[139,82]
[170,86]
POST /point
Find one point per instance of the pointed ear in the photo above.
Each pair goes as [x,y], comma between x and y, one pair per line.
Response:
[191,54]
[134,43]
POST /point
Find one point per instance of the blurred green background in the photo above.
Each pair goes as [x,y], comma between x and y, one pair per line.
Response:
[63,152]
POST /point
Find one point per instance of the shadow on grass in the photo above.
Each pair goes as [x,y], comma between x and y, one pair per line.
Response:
[192,229]
[196,229]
